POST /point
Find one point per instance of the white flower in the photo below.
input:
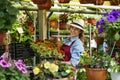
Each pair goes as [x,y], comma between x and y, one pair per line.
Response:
[109,70]
[112,63]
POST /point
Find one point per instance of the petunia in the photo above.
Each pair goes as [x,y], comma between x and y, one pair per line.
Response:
[115,13]
[111,18]
[101,29]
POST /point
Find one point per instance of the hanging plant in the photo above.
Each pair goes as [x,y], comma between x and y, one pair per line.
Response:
[46,6]
[96,2]
[39,1]
[64,1]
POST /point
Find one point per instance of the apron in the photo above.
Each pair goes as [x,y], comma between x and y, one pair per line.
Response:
[66,49]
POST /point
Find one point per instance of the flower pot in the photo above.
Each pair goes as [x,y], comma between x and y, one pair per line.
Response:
[46,6]
[39,1]
[96,2]
[96,74]
[62,26]
[64,1]
[115,76]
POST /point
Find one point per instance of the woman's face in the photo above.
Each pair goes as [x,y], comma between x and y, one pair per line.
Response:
[74,31]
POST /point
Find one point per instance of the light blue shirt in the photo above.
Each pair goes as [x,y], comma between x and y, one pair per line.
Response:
[76,49]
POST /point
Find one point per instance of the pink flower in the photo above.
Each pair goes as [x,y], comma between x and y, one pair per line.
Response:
[4,64]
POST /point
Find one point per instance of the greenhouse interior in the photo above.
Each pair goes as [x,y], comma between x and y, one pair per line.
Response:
[59,40]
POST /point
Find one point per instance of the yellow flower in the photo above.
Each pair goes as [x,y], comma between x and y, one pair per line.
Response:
[47,65]
[36,70]
[53,68]
[68,71]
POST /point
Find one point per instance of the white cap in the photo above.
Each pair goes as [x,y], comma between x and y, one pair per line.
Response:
[79,23]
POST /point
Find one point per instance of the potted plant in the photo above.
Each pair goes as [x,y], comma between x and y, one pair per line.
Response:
[109,24]
[47,49]
[96,2]
[47,5]
[12,70]
[54,70]
[114,68]
[53,21]
[7,17]
[64,1]
[63,19]
[96,65]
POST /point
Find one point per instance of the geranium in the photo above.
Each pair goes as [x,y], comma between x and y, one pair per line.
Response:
[47,70]
[12,70]
[110,23]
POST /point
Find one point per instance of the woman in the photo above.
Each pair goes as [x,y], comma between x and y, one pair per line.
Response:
[73,46]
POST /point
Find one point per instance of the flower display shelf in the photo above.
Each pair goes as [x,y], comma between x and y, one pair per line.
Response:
[71,78]
[21,51]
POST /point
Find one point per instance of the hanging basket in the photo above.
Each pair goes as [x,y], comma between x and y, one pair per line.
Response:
[45,6]
[64,1]
[39,1]
[96,2]
[96,74]
[62,26]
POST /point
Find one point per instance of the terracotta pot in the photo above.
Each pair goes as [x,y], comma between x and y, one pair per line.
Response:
[64,1]
[114,2]
[62,26]
[39,1]
[92,21]
[96,74]
[96,2]
[2,38]
[46,6]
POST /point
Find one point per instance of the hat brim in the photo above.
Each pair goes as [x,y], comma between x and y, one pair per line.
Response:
[76,26]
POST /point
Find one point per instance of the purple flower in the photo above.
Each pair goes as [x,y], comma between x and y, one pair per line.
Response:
[4,64]
[101,29]
[24,70]
[115,13]
[111,18]
[105,14]
[20,65]
[100,22]
[1,58]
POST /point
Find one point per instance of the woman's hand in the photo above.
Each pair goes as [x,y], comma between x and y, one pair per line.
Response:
[66,62]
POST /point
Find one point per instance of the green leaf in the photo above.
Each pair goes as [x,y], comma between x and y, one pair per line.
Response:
[117,36]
